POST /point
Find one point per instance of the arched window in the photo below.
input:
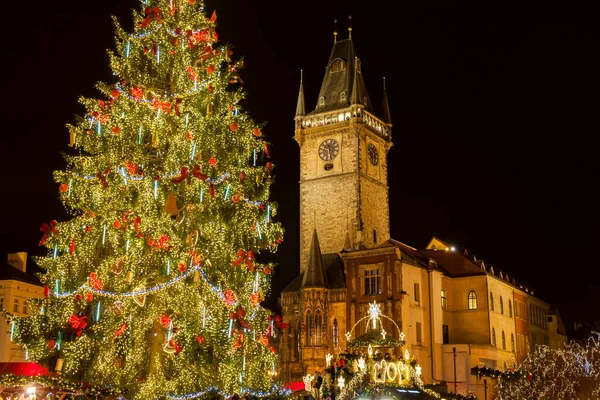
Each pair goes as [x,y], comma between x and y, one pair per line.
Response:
[510,308]
[318,328]
[491,301]
[503,341]
[322,101]
[343,95]
[309,328]
[472,300]
[297,337]
[338,65]
[493,337]
[512,342]
[501,305]
[335,333]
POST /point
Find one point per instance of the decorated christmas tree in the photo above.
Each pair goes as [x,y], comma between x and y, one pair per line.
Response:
[153,287]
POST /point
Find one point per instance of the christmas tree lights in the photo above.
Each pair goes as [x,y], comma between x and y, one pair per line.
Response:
[153,287]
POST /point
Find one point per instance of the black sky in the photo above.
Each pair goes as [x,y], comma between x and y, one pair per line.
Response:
[494,107]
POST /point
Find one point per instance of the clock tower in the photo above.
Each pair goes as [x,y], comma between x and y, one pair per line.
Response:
[343,160]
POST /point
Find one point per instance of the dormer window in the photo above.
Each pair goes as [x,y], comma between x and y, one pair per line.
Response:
[322,101]
[338,65]
[343,96]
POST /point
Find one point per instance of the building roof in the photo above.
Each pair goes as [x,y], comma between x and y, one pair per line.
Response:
[334,270]
[300,108]
[348,79]
[453,263]
[314,275]
[8,272]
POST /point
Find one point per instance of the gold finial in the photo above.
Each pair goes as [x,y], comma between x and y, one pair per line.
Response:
[334,30]
[301,75]
[349,26]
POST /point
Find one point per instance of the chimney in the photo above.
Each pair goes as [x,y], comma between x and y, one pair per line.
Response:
[18,260]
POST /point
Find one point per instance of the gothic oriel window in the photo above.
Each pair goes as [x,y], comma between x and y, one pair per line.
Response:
[335,333]
[309,328]
[472,300]
[318,328]
[372,281]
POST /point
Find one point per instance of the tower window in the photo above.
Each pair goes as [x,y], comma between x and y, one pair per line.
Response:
[374,236]
[372,282]
[322,101]
[445,334]
[338,65]
[343,95]
[309,328]
[444,300]
[472,300]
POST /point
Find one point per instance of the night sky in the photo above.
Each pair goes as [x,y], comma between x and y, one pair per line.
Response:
[494,108]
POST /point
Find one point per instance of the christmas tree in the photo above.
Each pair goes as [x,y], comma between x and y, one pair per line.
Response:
[153,287]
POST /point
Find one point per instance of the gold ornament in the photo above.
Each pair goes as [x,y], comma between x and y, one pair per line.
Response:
[59,365]
[129,277]
[171,205]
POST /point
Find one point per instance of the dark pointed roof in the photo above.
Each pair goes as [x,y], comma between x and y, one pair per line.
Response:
[314,275]
[300,109]
[348,79]
[334,269]
[385,107]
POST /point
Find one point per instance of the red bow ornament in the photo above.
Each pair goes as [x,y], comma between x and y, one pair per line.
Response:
[151,13]
[242,255]
[165,321]
[239,316]
[229,297]
[78,323]
[121,330]
[181,177]
[198,174]
[280,324]
[47,228]
[95,282]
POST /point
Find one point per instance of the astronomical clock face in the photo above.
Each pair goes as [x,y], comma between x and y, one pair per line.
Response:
[373,154]
[329,149]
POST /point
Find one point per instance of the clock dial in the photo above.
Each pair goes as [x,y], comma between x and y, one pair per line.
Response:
[373,154]
[329,149]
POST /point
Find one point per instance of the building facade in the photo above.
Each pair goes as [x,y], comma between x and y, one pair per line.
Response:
[16,288]
[455,312]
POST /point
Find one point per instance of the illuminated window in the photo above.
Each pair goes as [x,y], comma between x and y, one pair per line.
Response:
[25,307]
[493,337]
[338,65]
[16,305]
[372,281]
[503,341]
[472,300]
[510,310]
[501,305]
[444,300]
[491,301]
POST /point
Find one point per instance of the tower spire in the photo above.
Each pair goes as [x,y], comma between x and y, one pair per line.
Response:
[314,275]
[300,110]
[385,108]
[349,26]
[335,31]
